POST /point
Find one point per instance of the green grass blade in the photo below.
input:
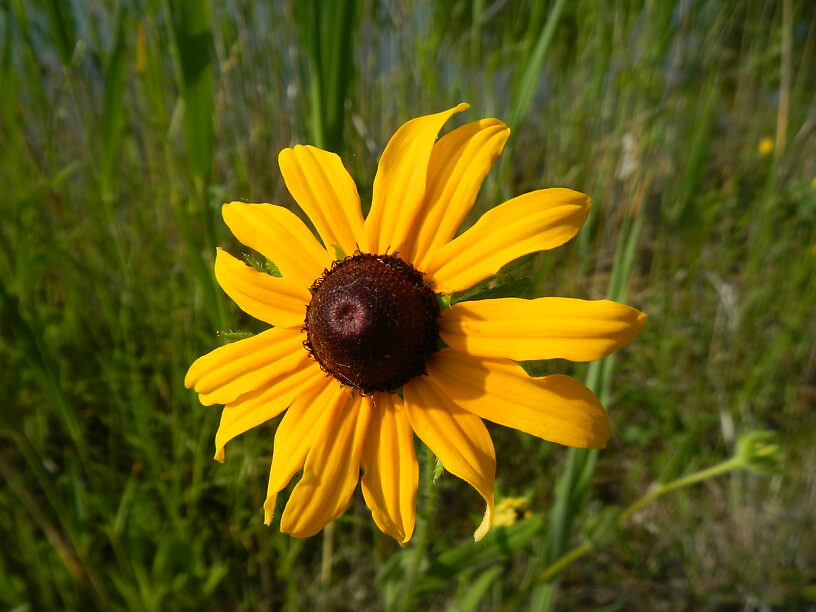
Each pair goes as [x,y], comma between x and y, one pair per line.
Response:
[63,28]
[527,85]
[194,41]
[113,112]
[327,30]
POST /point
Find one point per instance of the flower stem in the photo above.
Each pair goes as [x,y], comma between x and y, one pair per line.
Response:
[579,551]
[427,511]
[710,472]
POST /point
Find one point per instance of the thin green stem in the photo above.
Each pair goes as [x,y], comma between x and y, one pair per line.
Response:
[427,511]
[555,568]
[579,551]
[715,470]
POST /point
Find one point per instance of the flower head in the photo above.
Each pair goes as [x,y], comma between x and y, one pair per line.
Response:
[362,354]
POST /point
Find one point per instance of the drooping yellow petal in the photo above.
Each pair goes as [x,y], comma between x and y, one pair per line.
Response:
[532,222]
[391,472]
[297,432]
[259,406]
[460,160]
[332,467]
[324,190]
[278,301]
[399,186]
[458,438]
[556,408]
[247,365]
[545,328]
[280,236]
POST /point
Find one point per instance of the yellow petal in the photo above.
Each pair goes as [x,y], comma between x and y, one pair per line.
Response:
[234,369]
[546,328]
[458,438]
[391,472]
[556,408]
[532,222]
[460,160]
[277,301]
[280,236]
[324,190]
[259,406]
[332,467]
[297,432]
[399,186]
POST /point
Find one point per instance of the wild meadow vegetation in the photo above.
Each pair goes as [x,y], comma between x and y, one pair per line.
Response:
[124,125]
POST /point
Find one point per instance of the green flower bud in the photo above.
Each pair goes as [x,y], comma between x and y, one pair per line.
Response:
[760,452]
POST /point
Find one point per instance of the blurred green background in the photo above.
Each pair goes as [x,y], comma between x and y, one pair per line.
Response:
[125,125]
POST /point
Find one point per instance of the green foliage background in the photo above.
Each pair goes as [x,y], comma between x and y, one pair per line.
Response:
[124,126]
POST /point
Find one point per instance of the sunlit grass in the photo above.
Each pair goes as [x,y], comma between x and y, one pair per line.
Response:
[125,128]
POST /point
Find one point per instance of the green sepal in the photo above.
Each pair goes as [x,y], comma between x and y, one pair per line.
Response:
[438,470]
[495,287]
[262,265]
[339,253]
[272,269]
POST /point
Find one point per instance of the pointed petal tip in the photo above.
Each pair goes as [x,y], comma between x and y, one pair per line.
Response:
[219,454]
[485,526]
[269,509]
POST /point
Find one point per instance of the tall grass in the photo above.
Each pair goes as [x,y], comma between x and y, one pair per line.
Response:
[124,126]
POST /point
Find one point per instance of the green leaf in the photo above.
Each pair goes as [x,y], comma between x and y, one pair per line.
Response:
[112,110]
[500,543]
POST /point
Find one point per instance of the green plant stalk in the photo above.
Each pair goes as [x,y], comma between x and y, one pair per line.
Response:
[555,568]
[427,512]
[573,487]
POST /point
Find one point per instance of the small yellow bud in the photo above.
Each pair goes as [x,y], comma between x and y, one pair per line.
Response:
[766,146]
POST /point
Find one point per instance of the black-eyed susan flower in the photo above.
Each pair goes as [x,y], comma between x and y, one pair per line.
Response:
[360,356]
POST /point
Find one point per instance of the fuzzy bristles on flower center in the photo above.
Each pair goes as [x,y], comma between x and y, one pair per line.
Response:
[371,322]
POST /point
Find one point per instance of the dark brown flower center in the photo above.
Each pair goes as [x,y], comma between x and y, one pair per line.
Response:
[372,322]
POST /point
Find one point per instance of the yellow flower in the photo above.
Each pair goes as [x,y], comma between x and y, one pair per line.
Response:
[348,335]
[765,146]
[510,510]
